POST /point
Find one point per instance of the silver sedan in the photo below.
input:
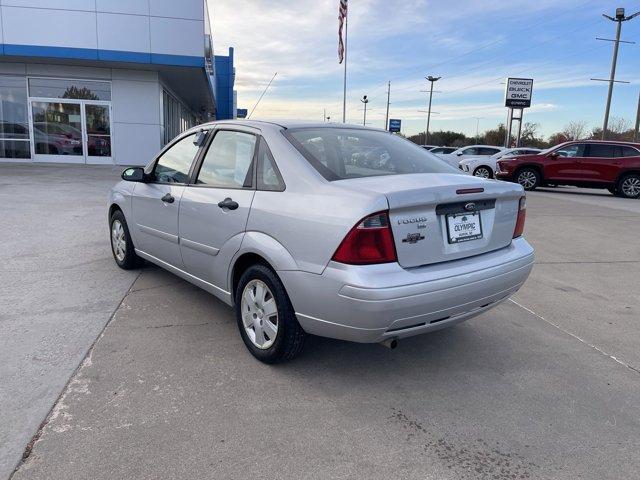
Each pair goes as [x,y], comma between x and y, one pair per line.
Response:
[324,229]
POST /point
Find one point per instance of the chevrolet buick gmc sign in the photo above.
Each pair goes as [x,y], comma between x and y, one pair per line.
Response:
[518,92]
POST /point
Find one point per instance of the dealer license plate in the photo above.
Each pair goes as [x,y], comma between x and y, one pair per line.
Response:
[463,227]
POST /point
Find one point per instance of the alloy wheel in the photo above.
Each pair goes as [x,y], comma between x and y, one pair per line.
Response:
[527,179]
[259,314]
[631,187]
[482,172]
[118,241]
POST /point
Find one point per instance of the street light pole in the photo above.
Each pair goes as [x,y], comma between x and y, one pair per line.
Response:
[365,100]
[478,128]
[636,132]
[431,80]
[386,120]
[619,18]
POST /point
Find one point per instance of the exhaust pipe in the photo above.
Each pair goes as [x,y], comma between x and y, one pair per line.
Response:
[390,343]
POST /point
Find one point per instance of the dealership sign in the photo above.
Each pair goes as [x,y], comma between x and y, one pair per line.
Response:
[394,125]
[518,92]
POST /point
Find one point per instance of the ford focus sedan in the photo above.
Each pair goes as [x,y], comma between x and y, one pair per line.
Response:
[332,230]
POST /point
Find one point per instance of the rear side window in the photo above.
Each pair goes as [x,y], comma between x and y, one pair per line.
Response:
[487,151]
[174,164]
[227,163]
[268,175]
[628,152]
[340,153]
[601,151]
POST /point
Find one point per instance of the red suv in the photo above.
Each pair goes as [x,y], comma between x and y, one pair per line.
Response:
[584,163]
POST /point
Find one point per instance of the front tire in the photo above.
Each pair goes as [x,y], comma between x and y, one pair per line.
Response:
[629,186]
[529,178]
[266,319]
[121,244]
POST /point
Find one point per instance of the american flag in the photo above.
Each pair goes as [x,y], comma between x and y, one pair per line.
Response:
[342,17]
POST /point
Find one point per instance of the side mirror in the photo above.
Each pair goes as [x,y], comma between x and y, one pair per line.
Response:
[134,174]
[199,140]
[459,154]
[553,155]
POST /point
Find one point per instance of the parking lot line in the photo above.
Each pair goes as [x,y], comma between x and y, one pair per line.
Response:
[595,347]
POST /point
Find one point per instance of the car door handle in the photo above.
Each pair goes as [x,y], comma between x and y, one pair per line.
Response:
[168,198]
[228,204]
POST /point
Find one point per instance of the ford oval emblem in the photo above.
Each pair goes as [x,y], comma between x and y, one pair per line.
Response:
[469,207]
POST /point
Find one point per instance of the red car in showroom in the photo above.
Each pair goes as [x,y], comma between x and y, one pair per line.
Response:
[584,163]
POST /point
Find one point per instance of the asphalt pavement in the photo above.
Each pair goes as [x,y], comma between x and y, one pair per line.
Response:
[544,386]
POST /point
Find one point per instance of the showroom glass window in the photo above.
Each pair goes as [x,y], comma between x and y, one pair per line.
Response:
[176,117]
[14,123]
[71,89]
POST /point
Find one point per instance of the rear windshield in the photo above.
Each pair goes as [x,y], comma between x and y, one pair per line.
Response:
[340,153]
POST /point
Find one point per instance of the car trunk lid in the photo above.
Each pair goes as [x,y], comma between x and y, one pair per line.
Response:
[442,217]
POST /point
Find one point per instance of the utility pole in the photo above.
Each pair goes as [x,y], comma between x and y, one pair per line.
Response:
[365,100]
[636,132]
[386,119]
[432,80]
[478,128]
[619,18]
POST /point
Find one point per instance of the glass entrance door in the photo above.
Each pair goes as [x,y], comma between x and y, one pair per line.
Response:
[71,131]
[97,120]
[57,131]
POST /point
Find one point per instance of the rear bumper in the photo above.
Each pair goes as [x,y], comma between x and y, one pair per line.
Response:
[372,303]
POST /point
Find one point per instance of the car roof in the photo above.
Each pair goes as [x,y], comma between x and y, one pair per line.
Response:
[617,142]
[288,124]
[483,146]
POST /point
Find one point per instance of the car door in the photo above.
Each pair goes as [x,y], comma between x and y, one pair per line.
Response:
[215,205]
[600,163]
[155,204]
[562,163]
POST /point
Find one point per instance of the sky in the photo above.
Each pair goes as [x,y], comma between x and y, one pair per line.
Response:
[472,44]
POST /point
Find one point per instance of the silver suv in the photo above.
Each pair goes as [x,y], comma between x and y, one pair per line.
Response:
[333,230]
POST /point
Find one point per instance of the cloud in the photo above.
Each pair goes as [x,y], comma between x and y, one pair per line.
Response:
[473,44]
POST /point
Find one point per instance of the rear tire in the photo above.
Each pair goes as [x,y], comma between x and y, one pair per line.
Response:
[529,178]
[613,190]
[121,244]
[483,172]
[266,319]
[629,186]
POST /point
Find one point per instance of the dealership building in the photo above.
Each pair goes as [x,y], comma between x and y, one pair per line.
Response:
[106,81]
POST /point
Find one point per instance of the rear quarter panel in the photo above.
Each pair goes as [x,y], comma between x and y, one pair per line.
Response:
[311,224]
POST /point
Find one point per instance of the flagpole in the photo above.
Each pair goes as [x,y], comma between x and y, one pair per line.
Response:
[344,92]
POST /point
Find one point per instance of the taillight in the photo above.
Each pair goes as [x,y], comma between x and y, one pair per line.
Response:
[522,211]
[370,241]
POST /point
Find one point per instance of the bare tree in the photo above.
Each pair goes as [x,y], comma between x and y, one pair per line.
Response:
[575,130]
[619,125]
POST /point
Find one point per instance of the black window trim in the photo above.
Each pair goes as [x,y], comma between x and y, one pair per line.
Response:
[152,165]
[195,171]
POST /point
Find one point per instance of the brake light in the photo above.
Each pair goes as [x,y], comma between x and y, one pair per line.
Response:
[369,242]
[522,211]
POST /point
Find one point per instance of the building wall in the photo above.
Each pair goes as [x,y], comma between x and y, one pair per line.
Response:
[166,32]
[224,81]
